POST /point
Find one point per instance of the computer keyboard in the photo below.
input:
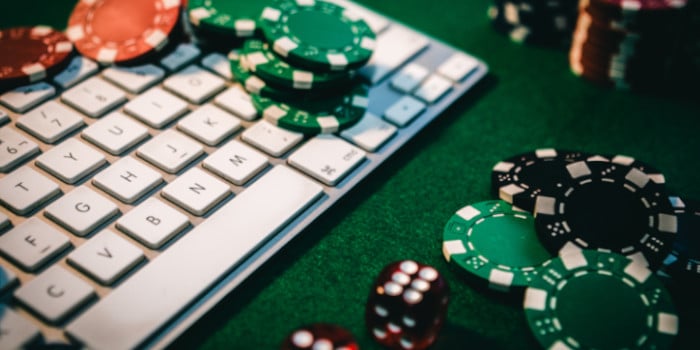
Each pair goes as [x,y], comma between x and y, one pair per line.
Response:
[115,178]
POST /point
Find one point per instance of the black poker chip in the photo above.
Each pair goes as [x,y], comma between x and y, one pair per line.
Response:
[683,263]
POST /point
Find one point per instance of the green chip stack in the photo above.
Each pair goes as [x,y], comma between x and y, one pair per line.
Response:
[297,59]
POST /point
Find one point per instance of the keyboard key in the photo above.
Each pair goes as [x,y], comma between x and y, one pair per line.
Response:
[218,64]
[196,191]
[106,257]
[78,69]
[394,47]
[209,124]
[25,97]
[236,162]
[237,102]
[115,133]
[156,107]
[153,223]
[55,294]
[457,67]
[33,243]
[404,111]
[15,331]
[4,117]
[170,150]
[408,78]
[271,139]
[127,179]
[134,79]
[194,84]
[81,210]
[327,158]
[219,243]
[14,149]
[182,55]
[94,97]
[50,121]
[8,279]
[24,189]
[71,161]
[370,132]
[433,89]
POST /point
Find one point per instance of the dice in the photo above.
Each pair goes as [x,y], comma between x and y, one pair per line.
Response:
[407,306]
[320,336]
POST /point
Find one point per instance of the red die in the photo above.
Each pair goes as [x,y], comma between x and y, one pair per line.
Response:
[320,336]
[407,306]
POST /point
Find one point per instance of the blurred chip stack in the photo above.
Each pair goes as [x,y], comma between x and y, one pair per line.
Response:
[539,22]
[629,44]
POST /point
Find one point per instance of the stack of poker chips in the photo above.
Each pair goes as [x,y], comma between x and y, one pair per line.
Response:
[297,60]
[539,22]
[629,44]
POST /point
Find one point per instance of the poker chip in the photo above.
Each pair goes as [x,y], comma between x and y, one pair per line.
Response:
[494,242]
[518,180]
[119,31]
[269,67]
[598,300]
[534,22]
[317,35]
[654,174]
[606,206]
[252,83]
[683,264]
[236,17]
[314,116]
[36,52]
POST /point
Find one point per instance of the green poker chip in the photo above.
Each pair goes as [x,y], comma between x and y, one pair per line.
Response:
[253,84]
[587,299]
[230,16]
[496,244]
[316,116]
[317,35]
[271,68]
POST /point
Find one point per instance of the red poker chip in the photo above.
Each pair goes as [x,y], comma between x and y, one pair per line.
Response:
[30,54]
[118,31]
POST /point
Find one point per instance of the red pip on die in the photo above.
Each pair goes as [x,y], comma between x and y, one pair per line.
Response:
[407,306]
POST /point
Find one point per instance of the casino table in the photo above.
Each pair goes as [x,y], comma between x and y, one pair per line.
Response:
[529,100]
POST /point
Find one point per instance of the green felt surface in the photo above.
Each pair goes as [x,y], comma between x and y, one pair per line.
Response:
[530,100]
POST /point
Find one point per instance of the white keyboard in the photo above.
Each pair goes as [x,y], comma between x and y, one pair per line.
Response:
[112,179]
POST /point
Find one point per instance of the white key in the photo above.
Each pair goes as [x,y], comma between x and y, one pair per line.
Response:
[209,124]
[236,162]
[115,133]
[218,64]
[196,191]
[81,210]
[8,279]
[237,102]
[15,330]
[50,121]
[134,79]
[55,294]
[433,88]
[271,139]
[106,257]
[404,111]
[14,149]
[156,107]
[25,97]
[4,117]
[78,69]
[158,292]
[182,55]
[327,158]
[153,223]
[408,78]
[33,243]
[94,97]
[25,189]
[170,150]
[71,161]
[194,84]
[4,221]
[394,47]
[370,132]
[127,179]
[457,67]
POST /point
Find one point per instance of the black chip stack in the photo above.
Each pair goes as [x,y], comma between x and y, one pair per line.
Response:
[539,22]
